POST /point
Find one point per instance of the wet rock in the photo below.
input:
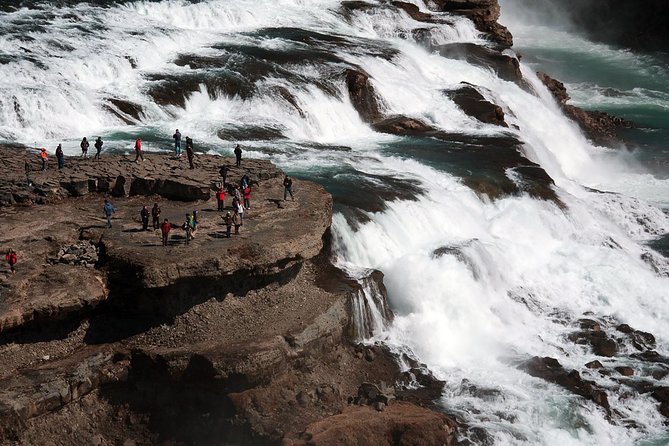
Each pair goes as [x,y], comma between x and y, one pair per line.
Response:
[472,102]
[362,94]
[594,365]
[601,127]
[413,11]
[126,111]
[601,344]
[506,67]
[484,14]
[589,324]
[625,371]
[641,340]
[550,369]
[402,126]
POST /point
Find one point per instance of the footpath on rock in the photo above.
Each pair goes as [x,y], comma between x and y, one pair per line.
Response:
[108,337]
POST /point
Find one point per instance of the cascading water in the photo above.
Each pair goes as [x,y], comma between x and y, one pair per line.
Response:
[477,286]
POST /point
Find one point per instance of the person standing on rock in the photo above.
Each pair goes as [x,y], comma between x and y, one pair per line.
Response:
[288,188]
[224,172]
[189,152]
[138,150]
[28,168]
[144,213]
[60,156]
[44,157]
[165,229]
[84,147]
[98,147]
[220,198]
[247,196]
[155,213]
[177,143]
[108,210]
[238,155]
[228,221]
[237,204]
[188,227]
[237,194]
[11,259]
[237,220]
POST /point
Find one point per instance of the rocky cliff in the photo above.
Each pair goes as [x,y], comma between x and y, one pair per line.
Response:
[108,337]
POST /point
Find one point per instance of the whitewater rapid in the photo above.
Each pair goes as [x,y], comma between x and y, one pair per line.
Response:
[516,273]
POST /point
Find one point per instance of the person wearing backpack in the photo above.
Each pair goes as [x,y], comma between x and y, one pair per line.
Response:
[11,259]
[108,210]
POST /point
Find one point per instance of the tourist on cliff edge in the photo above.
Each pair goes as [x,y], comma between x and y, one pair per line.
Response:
[45,158]
[108,210]
[287,188]
[60,156]
[177,143]
[228,221]
[138,150]
[98,148]
[238,155]
[189,151]
[165,230]
[84,147]
[155,213]
[11,259]
[144,213]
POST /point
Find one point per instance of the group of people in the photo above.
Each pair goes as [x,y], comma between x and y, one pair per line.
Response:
[189,148]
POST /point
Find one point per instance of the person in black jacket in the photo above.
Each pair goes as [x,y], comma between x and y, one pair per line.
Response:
[98,147]
[238,155]
[144,213]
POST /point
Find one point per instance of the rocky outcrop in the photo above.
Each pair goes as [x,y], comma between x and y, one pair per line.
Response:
[402,126]
[472,102]
[550,369]
[505,66]
[363,96]
[599,126]
[484,14]
[400,424]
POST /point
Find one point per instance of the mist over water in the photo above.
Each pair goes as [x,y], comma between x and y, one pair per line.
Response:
[477,286]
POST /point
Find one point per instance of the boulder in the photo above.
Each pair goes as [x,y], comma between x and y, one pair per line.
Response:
[505,66]
[601,344]
[121,187]
[550,369]
[413,11]
[402,126]
[362,94]
[472,102]
[484,14]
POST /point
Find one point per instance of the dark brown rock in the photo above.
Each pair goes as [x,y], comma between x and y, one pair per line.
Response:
[506,67]
[402,126]
[594,365]
[472,102]
[484,14]
[601,127]
[550,369]
[362,94]
[625,371]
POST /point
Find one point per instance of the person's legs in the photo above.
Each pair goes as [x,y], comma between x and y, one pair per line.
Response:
[109,221]
[228,229]
[164,239]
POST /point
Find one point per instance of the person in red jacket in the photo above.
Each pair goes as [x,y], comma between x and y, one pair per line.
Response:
[220,197]
[247,197]
[11,259]
[138,150]
[165,229]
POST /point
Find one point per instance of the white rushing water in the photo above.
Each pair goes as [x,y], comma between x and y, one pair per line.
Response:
[518,272]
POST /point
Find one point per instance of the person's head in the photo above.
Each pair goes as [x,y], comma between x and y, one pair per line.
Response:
[99,138]
[144,207]
[59,146]
[84,139]
[155,205]
[106,201]
[177,130]
[165,221]
[228,214]
[43,149]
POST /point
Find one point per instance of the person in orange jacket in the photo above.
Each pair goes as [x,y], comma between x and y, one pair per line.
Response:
[45,157]
[220,197]
[11,259]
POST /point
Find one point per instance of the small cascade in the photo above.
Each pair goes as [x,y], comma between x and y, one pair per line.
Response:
[371,314]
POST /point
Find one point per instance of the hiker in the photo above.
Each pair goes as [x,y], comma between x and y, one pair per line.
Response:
[108,210]
[60,156]
[45,157]
[28,168]
[84,147]
[144,213]
[155,213]
[238,155]
[237,206]
[189,152]
[247,197]
[237,221]
[287,188]
[228,221]
[224,172]
[177,143]
[188,227]
[165,231]
[220,197]
[98,148]
[138,150]
[11,259]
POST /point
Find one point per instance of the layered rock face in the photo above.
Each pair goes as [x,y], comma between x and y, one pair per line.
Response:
[108,337]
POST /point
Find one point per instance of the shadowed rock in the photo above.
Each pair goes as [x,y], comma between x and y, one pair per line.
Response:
[484,14]
[363,96]
[506,67]
[474,104]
